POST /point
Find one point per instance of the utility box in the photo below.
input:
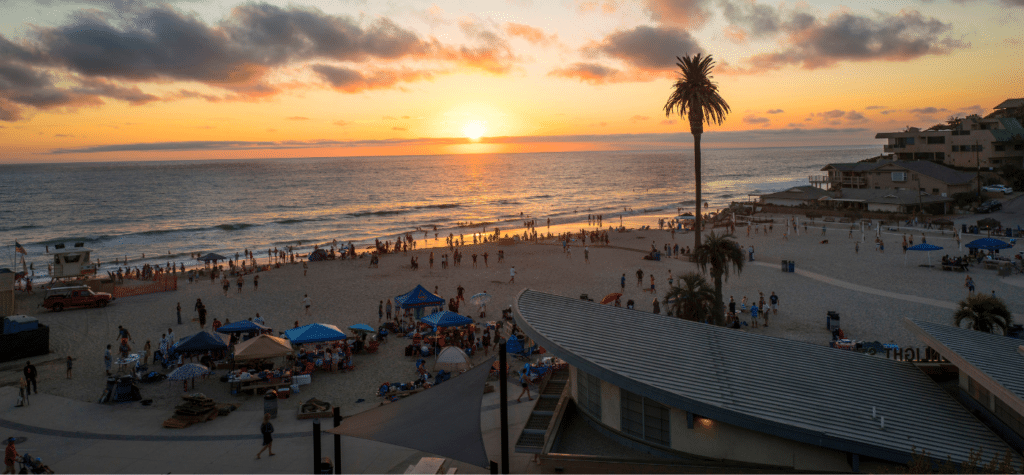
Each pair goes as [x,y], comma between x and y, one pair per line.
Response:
[19,323]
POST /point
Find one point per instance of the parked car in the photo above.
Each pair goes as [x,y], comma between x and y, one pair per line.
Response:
[998,189]
[989,206]
[59,298]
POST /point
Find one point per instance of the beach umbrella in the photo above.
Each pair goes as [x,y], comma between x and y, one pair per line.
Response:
[480,299]
[244,326]
[923,247]
[314,333]
[446,319]
[362,327]
[988,244]
[610,298]
[188,371]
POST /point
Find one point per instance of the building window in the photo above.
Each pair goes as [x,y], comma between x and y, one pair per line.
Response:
[644,418]
[934,190]
[936,140]
[588,389]
[1010,417]
[1000,148]
[978,392]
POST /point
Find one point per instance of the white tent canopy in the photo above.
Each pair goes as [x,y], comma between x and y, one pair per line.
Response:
[452,358]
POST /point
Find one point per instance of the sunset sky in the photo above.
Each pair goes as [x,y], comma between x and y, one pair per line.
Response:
[101,80]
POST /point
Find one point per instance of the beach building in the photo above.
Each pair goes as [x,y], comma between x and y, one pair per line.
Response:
[893,201]
[687,393]
[796,196]
[884,174]
[990,371]
[970,142]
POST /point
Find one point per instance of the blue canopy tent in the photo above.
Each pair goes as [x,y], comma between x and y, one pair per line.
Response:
[988,244]
[922,247]
[446,319]
[314,333]
[202,341]
[244,326]
[418,299]
[362,327]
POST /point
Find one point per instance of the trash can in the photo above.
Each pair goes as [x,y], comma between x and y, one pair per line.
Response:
[785,265]
[270,403]
[963,229]
[831,320]
[792,266]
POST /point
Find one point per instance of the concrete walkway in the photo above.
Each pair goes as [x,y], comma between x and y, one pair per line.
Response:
[78,437]
[883,293]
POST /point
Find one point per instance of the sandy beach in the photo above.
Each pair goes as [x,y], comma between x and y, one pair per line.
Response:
[873,292]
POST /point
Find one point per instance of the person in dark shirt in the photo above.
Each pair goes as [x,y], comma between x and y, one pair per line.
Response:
[30,376]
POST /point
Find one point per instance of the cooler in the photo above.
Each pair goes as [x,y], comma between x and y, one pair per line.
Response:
[792,266]
[20,323]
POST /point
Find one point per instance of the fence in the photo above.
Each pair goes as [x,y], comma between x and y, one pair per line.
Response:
[163,283]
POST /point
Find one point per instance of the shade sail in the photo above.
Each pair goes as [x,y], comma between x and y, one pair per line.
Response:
[263,346]
[446,319]
[987,244]
[453,405]
[314,333]
[243,326]
[418,297]
[202,341]
[212,257]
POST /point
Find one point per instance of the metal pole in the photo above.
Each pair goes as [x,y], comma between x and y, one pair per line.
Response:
[503,396]
[316,446]
[337,440]
[977,159]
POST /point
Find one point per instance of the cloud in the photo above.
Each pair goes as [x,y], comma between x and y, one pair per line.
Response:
[648,48]
[755,120]
[352,81]
[739,136]
[758,19]
[971,110]
[110,53]
[887,112]
[529,33]
[639,117]
[341,123]
[668,122]
[776,111]
[832,114]
[813,43]
[607,7]
[854,116]
[684,13]
[297,117]
[735,34]
[588,72]
[400,129]
[874,107]
[928,110]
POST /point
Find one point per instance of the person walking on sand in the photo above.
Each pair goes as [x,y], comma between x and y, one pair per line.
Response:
[239,283]
[30,376]
[10,456]
[622,282]
[69,366]
[179,313]
[380,312]
[512,273]
[969,283]
[305,268]
[108,360]
[255,282]
[639,277]
[307,303]
[526,389]
[387,310]
[266,428]
[23,393]
[774,301]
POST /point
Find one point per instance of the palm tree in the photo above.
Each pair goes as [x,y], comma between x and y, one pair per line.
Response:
[984,313]
[691,299]
[719,252]
[696,96]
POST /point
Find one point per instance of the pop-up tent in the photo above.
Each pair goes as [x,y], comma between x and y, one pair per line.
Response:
[202,341]
[314,333]
[446,319]
[418,299]
[263,346]
[452,358]
[212,257]
[988,244]
[244,326]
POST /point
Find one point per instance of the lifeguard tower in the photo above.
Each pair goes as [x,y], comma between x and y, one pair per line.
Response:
[71,263]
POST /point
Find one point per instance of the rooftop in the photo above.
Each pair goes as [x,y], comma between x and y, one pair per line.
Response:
[799,391]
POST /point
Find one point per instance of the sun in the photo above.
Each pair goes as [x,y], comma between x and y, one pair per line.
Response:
[474,130]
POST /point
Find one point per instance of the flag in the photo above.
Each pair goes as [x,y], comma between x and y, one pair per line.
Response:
[18,248]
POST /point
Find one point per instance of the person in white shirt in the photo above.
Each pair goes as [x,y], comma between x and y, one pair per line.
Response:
[259,320]
[307,303]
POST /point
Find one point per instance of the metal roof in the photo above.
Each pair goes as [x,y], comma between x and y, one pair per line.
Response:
[889,196]
[799,391]
[992,360]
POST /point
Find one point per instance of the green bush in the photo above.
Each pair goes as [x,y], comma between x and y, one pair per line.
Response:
[1013,175]
[965,199]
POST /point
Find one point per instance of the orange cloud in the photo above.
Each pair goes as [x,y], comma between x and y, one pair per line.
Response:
[529,33]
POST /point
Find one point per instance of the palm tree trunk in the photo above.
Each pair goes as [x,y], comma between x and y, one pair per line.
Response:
[698,221]
[718,312]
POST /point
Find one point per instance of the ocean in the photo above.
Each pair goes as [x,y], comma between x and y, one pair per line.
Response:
[171,209]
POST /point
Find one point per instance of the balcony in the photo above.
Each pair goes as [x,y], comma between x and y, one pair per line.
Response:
[892,148]
[843,182]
